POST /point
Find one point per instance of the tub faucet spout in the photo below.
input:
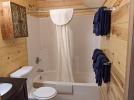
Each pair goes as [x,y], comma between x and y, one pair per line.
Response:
[40,70]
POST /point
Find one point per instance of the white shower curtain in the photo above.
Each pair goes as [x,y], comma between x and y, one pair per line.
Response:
[61,18]
[64,40]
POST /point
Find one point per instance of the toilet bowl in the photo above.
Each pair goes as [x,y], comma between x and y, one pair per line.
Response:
[44,93]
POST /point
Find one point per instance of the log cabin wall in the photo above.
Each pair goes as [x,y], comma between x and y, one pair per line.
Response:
[115,48]
[13,53]
[48,4]
[55,4]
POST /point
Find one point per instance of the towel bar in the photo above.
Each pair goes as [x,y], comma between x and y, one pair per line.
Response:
[107,63]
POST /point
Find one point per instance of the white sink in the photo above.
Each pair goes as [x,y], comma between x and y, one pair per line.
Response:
[4,88]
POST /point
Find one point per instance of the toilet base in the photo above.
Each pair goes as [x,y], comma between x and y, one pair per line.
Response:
[38,99]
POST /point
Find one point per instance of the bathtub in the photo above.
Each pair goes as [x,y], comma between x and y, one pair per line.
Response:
[67,90]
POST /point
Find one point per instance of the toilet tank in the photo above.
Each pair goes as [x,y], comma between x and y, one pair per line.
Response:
[22,72]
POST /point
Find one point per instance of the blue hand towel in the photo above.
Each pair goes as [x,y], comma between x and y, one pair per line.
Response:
[101,68]
[102,22]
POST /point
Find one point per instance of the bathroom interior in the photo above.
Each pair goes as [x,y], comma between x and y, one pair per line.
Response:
[53,49]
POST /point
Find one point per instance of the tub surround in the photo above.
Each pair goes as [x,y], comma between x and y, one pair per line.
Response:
[18,90]
[44,46]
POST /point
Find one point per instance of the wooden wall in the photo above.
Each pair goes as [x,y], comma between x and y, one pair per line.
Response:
[13,53]
[48,4]
[53,4]
[115,48]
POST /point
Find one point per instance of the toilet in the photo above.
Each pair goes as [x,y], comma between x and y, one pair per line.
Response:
[42,93]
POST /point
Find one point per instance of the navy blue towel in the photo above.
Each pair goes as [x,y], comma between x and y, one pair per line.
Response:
[101,68]
[102,22]
[106,73]
[96,53]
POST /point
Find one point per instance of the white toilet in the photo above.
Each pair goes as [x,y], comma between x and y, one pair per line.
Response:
[42,93]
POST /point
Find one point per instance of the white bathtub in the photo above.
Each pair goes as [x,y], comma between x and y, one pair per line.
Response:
[69,90]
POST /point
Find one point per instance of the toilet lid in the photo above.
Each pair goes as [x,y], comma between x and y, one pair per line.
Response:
[45,93]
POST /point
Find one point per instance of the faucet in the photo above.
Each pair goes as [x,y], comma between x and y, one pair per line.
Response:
[40,70]
[37,61]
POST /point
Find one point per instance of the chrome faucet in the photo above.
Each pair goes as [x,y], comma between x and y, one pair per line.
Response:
[37,61]
[40,70]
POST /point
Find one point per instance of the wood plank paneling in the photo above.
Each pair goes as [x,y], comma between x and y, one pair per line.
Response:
[31,5]
[20,2]
[56,4]
[49,4]
[13,52]
[115,48]
[78,13]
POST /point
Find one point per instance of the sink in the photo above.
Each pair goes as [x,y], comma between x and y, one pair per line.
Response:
[4,88]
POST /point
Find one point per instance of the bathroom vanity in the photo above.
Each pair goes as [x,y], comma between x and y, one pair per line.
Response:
[18,90]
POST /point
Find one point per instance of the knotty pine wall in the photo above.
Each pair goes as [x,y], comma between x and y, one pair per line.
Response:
[51,4]
[115,48]
[13,53]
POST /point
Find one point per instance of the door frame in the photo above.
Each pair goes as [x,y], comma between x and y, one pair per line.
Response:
[129,86]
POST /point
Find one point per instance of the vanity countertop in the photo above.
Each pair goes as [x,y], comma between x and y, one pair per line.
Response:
[17,85]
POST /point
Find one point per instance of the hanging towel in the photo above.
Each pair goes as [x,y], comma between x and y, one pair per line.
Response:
[96,53]
[102,22]
[101,69]
[61,16]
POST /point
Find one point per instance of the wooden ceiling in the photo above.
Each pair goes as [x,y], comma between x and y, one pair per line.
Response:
[53,4]
[50,4]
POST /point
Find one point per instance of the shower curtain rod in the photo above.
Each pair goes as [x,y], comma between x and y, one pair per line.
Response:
[78,9]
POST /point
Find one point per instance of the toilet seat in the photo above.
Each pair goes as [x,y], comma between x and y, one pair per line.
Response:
[44,93]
